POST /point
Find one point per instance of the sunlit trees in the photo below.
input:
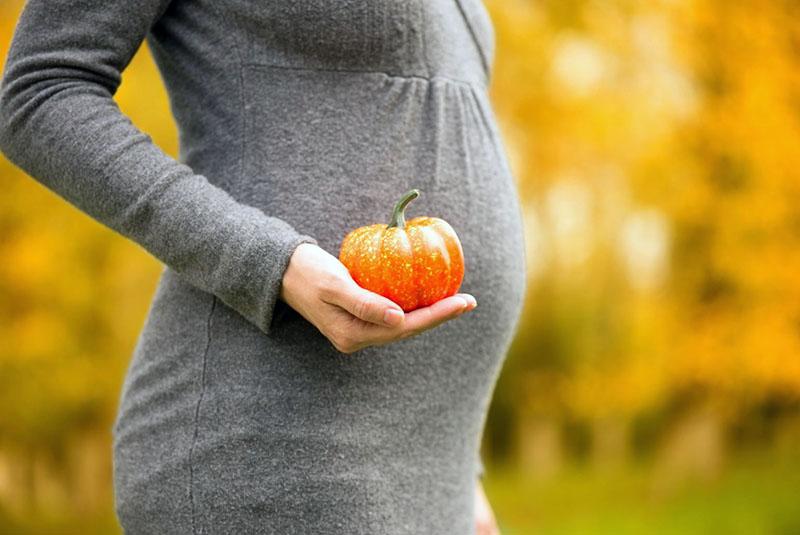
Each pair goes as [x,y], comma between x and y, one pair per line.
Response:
[655,145]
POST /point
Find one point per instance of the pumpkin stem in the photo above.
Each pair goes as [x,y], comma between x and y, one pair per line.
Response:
[398,214]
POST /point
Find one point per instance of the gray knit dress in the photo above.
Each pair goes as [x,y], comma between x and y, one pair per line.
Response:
[299,120]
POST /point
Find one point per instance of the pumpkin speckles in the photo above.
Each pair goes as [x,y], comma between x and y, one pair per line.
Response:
[414,263]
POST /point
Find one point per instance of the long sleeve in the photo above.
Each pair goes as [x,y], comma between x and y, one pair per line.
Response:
[60,124]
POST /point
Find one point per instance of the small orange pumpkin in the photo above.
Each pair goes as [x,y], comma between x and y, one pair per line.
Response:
[414,263]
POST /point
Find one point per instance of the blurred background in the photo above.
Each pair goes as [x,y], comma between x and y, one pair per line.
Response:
[654,383]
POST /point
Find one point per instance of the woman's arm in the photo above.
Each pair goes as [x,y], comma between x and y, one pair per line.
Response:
[485,522]
[60,124]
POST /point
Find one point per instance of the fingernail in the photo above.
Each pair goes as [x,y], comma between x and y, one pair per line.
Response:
[472,302]
[393,317]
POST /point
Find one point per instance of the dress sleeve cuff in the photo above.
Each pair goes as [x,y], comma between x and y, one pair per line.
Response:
[273,308]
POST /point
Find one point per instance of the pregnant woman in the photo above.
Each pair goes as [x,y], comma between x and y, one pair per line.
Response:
[268,392]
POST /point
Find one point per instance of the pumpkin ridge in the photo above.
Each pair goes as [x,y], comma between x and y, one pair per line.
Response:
[416,254]
[436,244]
[456,253]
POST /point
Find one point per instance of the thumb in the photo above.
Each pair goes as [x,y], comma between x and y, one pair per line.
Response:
[370,306]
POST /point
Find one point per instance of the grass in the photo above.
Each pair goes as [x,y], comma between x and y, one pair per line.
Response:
[753,496]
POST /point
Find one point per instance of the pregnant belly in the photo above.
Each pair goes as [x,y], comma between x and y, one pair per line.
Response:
[331,151]
[328,152]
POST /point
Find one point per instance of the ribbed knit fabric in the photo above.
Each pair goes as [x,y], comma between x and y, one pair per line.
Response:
[299,120]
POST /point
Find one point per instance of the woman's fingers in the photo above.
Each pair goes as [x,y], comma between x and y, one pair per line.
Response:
[428,317]
[415,322]
[366,305]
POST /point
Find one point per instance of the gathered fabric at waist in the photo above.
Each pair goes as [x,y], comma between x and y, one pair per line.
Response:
[356,141]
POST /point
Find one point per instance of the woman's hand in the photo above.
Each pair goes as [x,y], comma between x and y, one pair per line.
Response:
[320,288]
[485,523]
